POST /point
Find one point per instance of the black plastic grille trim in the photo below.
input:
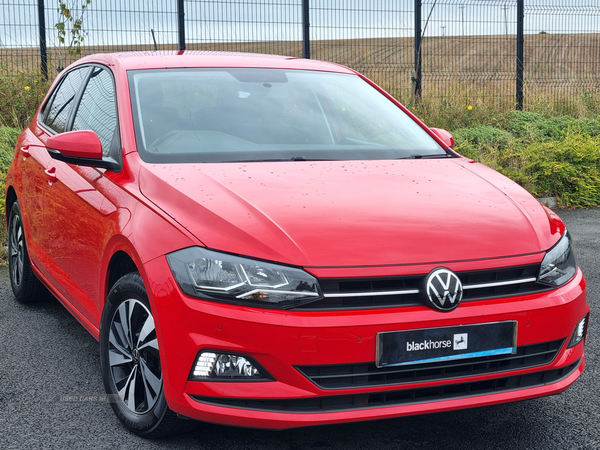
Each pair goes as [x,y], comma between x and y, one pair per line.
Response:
[397,397]
[348,376]
[370,286]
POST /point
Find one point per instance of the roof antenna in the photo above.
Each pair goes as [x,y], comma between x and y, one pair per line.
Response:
[154,39]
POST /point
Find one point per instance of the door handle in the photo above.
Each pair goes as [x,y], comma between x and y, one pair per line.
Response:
[25,151]
[51,174]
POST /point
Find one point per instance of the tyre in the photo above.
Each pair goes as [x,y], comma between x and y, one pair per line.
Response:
[25,286]
[130,362]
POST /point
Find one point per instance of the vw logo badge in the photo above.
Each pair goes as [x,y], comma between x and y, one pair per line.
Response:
[443,289]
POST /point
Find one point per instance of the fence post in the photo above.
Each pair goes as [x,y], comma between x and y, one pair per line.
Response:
[520,45]
[416,76]
[42,28]
[181,24]
[305,29]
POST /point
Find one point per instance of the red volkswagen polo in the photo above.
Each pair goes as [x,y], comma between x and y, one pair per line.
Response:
[276,242]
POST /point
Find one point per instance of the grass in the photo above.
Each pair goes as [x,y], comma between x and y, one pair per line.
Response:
[560,73]
[20,95]
[464,107]
[8,139]
[560,70]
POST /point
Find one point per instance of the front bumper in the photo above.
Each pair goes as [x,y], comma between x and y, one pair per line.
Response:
[280,341]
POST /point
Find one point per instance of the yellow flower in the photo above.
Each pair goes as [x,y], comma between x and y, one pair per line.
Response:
[469,107]
[493,118]
[27,88]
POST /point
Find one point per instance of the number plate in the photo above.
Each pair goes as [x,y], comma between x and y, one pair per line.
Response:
[397,348]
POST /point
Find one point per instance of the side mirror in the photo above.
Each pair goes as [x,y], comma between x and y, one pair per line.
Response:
[444,136]
[82,147]
[76,144]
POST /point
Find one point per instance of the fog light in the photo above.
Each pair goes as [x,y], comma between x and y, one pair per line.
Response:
[223,366]
[204,364]
[580,331]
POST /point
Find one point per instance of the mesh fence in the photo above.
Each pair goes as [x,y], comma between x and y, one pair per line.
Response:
[110,26]
[562,55]
[374,38]
[467,47]
[116,26]
[19,35]
[256,26]
[468,50]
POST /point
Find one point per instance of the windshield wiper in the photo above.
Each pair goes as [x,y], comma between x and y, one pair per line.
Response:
[293,158]
[437,155]
[303,158]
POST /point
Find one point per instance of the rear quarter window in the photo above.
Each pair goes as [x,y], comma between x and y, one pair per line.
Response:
[58,109]
[98,109]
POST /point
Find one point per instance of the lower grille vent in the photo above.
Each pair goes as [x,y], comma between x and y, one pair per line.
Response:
[397,397]
[347,376]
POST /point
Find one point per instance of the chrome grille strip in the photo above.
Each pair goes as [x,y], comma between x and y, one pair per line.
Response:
[499,283]
[372,293]
[416,291]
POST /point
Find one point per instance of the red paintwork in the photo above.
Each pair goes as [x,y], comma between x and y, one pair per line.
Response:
[79,144]
[335,219]
[444,136]
[275,211]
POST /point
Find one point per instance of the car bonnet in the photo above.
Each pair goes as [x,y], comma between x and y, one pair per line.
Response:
[353,213]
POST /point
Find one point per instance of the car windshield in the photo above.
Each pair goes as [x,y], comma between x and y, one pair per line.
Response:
[226,115]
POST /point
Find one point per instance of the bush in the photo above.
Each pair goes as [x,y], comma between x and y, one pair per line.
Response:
[8,141]
[566,169]
[481,142]
[483,136]
[589,127]
[550,157]
[533,127]
[563,161]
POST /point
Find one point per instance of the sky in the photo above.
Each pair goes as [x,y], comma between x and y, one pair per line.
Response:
[110,22]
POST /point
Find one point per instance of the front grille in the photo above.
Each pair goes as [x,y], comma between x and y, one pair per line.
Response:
[348,376]
[397,397]
[349,293]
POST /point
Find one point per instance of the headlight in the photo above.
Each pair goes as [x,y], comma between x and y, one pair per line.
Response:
[218,276]
[559,264]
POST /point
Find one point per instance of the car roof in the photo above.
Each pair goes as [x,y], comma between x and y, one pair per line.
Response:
[199,59]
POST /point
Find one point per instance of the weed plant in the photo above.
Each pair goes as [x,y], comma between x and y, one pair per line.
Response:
[20,95]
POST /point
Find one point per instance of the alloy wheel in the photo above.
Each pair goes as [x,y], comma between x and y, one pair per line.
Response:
[133,356]
[16,250]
